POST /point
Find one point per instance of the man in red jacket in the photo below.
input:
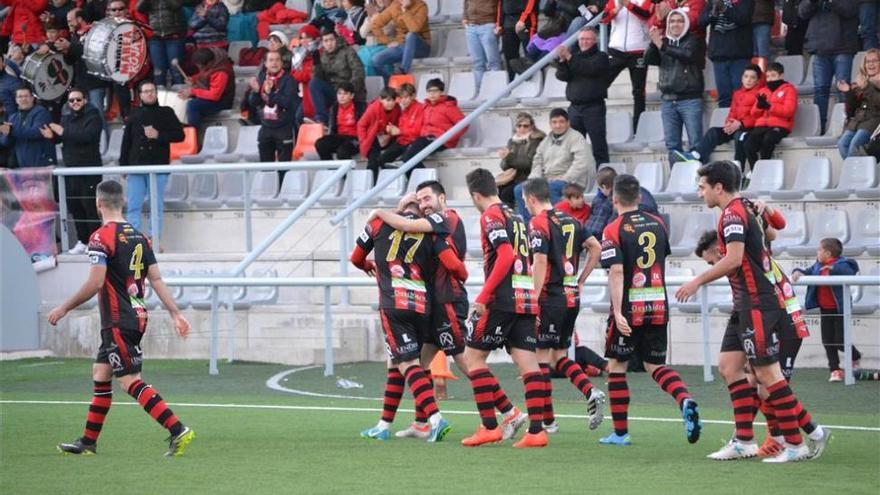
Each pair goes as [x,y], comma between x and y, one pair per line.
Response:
[441,112]
[739,121]
[773,111]
[372,128]
[213,86]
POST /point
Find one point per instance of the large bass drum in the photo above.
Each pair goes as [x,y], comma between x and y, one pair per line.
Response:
[48,74]
[115,50]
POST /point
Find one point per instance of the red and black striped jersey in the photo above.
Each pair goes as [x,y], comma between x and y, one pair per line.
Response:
[449,234]
[128,255]
[560,238]
[640,242]
[753,282]
[403,263]
[516,291]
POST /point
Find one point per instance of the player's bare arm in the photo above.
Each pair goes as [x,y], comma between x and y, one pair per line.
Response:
[615,283]
[730,262]
[403,224]
[593,249]
[87,291]
[539,271]
[180,322]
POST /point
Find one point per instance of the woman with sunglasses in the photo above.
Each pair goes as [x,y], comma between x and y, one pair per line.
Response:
[516,158]
[79,148]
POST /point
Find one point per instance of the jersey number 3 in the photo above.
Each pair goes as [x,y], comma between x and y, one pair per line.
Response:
[647,241]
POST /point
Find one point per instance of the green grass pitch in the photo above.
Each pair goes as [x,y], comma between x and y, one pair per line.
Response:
[254,440]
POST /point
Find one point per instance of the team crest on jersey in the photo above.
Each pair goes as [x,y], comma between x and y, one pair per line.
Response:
[396,270]
[786,289]
[518,266]
[639,280]
[121,238]
[629,228]
[569,268]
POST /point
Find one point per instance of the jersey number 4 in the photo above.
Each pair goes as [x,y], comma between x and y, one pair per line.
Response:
[396,238]
[136,264]
[647,241]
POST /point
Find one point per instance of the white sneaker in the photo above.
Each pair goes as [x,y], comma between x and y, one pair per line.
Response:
[80,248]
[552,427]
[415,430]
[594,408]
[735,449]
[512,424]
[818,446]
[791,453]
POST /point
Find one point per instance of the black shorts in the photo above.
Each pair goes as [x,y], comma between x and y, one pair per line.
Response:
[402,330]
[757,340]
[447,327]
[556,327]
[647,342]
[121,349]
[497,329]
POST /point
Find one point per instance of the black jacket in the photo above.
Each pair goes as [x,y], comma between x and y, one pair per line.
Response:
[137,149]
[681,67]
[359,108]
[587,77]
[79,146]
[834,26]
[284,96]
[81,77]
[730,30]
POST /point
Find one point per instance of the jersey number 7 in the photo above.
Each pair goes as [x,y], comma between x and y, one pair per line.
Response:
[396,238]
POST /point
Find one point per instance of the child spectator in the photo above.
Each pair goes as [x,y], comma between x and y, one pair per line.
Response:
[343,136]
[829,300]
[406,130]
[573,203]
[372,128]
[440,114]
[775,106]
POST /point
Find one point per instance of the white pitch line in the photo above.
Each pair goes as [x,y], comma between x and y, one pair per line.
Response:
[375,410]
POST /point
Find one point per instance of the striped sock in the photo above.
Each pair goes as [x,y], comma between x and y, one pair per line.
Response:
[772,424]
[534,385]
[394,384]
[618,397]
[741,394]
[484,385]
[783,401]
[422,390]
[420,416]
[98,409]
[155,406]
[549,417]
[671,383]
[805,421]
[575,375]
[502,403]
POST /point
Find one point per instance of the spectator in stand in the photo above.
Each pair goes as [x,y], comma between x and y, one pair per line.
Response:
[372,45]
[516,23]
[27,132]
[95,88]
[166,45]
[93,10]
[862,105]
[562,157]
[586,73]
[372,128]
[22,24]
[337,63]
[832,44]
[326,14]
[517,157]
[440,114]
[344,115]
[482,41]
[406,131]
[868,24]
[77,133]
[627,44]
[302,69]
[690,8]
[208,24]
[278,43]
[774,110]
[602,208]
[279,101]
[680,55]
[10,81]
[737,125]
[572,13]
[573,203]
[355,15]
[56,15]
[147,139]
[213,86]
[796,27]
[729,23]
[412,37]
[762,23]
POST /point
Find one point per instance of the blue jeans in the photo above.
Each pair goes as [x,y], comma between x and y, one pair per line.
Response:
[761,40]
[483,47]
[197,109]
[556,187]
[413,47]
[323,96]
[824,68]
[677,113]
[868,25]
[162,52]
[851,141]
[728,77]
[137,191]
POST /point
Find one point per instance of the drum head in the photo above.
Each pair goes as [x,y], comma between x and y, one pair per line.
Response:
[126,52]
[48,74]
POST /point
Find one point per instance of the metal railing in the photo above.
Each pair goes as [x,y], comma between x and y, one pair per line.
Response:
[326,283]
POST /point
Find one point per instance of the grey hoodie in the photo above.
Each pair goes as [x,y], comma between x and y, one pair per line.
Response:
[681,60]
